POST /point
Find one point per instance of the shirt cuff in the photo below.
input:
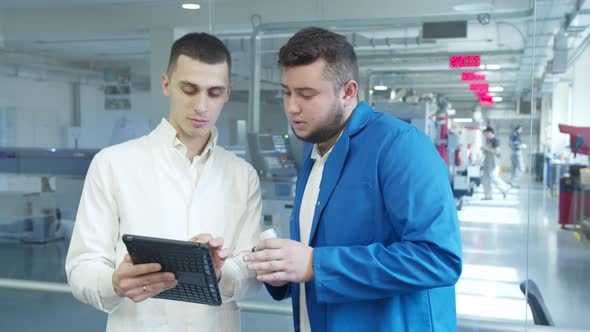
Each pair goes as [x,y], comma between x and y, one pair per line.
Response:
[109,300]
[230,280]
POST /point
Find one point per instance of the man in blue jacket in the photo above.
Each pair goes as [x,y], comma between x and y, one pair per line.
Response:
[375,238]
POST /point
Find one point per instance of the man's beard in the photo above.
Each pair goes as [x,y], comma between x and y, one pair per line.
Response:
[330,130]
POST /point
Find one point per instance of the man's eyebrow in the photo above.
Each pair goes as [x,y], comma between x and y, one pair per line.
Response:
[303,89]
[191,84]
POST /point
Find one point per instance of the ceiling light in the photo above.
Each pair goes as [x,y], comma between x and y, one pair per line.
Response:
[493,67]
[462,120]
[478,7]
[496,89]
[482,66]
[380,87]
[497,99]
[192,6]
[451,111]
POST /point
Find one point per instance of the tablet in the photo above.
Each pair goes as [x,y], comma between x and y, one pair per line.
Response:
[190,262]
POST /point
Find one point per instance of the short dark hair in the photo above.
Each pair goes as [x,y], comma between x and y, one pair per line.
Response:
[202,47]
[489,130]
[312,43]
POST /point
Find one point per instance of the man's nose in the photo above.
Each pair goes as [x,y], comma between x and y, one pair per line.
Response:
[200,103]
[290,105]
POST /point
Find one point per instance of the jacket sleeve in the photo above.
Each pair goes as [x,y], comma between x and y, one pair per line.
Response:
[419,204]
[91,256]
[236,281]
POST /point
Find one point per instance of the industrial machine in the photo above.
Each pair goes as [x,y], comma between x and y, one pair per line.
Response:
[574,201]
[465,140]
[420,115]
[273,157]
[579,138]
[40,188]
[458,147]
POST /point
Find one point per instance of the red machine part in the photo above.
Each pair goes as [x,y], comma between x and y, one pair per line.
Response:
[443,133]
[570,202]
[575,134]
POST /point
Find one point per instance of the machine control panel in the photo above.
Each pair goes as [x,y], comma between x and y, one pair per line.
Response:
[272,155]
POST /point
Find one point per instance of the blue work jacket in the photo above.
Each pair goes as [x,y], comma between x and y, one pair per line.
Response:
[387,247]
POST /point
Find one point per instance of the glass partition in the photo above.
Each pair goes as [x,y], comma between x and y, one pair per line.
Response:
[90,77]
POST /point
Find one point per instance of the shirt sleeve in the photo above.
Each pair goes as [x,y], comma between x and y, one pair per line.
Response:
[420,208]
[237,281]
[495,143]
[91,257]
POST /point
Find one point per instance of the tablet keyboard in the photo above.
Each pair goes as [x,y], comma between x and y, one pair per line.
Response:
[197,282]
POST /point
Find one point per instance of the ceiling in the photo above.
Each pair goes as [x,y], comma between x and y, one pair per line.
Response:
[88,35]
[36,4]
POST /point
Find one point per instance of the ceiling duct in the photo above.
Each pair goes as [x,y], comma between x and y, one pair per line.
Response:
[1,37]
[559,62]
[440,30]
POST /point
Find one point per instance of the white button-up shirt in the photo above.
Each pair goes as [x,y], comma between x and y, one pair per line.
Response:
[309,205]
[148,187]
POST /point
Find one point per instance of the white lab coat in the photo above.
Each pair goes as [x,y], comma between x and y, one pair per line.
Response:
[146,187]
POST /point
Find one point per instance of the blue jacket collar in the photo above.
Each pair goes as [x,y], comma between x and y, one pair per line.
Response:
[359,118]
[332,171]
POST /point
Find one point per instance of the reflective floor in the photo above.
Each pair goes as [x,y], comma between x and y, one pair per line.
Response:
[495,260]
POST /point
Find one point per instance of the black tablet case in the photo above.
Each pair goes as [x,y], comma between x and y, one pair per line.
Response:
[190,262]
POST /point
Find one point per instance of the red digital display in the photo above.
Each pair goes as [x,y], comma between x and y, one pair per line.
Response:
[459,61]
[471,76]
[479,87]
[486,98]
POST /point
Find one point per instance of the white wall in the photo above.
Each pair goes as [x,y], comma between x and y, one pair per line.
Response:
[41,110]
[100,128]
[560,115]
[581,91]
[39,114]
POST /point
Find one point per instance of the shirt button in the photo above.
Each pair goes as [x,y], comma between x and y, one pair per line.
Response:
[318,203]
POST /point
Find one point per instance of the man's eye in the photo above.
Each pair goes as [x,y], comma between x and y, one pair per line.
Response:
[215,93]
[189,91]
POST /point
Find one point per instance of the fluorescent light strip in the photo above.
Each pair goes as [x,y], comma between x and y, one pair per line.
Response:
[192,6]
[462,120]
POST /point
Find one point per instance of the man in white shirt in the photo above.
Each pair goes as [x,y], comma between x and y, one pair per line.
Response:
[173,183]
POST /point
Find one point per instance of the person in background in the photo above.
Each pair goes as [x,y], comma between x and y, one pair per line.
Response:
[375,242]
[516,158]
[491,169]
[174,183]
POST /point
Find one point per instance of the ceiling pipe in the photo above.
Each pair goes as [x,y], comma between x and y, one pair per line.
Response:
[342,26]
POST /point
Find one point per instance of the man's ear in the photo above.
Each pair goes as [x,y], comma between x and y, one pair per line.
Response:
[350,91]
[165,85]
[229,87]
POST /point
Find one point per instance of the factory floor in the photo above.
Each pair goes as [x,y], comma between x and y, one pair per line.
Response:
[497,255]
